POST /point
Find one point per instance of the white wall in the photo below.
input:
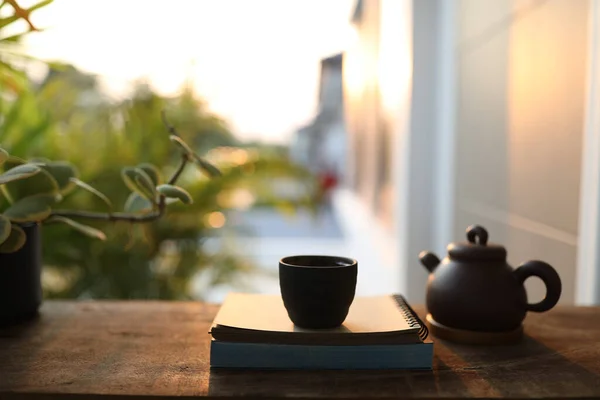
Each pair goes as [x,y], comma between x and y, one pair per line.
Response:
[588,255]
[417,51]
[485,100]
[411,51]
[521,85]
[495,138]
[377,91]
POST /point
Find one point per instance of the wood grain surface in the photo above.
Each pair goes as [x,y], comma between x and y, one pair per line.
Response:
[101,349]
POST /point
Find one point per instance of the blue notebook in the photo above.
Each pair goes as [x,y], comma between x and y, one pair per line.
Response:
[286,357]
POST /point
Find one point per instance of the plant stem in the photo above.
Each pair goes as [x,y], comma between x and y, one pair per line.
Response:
[22,13]
[149,217]
[180,168]
[170,128]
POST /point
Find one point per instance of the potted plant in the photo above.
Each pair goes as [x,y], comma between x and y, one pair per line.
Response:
[31,192]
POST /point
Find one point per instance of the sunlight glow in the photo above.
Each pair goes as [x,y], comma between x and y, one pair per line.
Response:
[395,54]
[215,219]
[254,61]
[354,69]
[239,199]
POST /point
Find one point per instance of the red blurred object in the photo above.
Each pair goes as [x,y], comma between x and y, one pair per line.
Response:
[328,181]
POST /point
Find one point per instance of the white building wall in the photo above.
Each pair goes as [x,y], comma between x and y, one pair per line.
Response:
[520,125]
[486,120]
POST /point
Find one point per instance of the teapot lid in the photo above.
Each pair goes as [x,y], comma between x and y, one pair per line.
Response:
[477,248]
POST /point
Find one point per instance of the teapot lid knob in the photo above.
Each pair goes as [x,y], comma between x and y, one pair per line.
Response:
[477,234]
[477,248]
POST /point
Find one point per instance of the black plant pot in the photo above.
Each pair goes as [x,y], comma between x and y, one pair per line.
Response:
[20,279]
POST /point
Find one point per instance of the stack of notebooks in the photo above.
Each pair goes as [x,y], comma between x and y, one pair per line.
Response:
[253,331]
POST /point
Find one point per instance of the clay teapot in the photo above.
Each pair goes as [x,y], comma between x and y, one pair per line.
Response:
[474,288]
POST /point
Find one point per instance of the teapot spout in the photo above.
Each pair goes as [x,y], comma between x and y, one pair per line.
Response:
[429,260]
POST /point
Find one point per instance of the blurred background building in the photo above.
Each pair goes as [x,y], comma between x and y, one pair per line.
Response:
[321,145]
[385,129]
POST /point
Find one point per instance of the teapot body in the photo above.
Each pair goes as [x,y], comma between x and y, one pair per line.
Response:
[476,297]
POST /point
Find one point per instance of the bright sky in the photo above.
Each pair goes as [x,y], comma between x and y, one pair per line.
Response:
[256,62]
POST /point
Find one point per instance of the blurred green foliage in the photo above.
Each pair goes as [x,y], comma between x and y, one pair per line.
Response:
[67,117]
[13,17]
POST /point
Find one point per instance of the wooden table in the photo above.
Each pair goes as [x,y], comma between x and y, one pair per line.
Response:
[91,349]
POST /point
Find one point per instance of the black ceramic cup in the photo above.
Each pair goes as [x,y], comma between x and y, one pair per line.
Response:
[317,291]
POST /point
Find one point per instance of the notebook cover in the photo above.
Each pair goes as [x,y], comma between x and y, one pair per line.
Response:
[303,357]
[371,320]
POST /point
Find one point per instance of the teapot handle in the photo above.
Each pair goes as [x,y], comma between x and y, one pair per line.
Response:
[550,278]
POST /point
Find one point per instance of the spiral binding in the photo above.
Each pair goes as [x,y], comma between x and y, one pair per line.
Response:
[411,316]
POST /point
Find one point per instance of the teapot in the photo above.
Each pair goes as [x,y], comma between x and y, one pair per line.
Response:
[474,290]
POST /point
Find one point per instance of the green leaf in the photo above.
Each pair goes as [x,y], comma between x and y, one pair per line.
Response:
[3,156]
[33,208]
[85,229]
[128,175]
[12,78]
[16,239]
[40,160]
[182,145]
[18,173]
[145,183]
[12,162]
[8,20]
[136,203]
[175,192]
[92,190]
[207,167]
[152,172]
[138,181]
[40,183]
[204,165]
[14,38]
[62,172]
[4,228]
[41,4]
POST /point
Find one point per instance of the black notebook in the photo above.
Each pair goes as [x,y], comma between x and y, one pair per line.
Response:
[376,320]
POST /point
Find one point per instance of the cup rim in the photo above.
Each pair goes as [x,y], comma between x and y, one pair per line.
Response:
[350,262]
